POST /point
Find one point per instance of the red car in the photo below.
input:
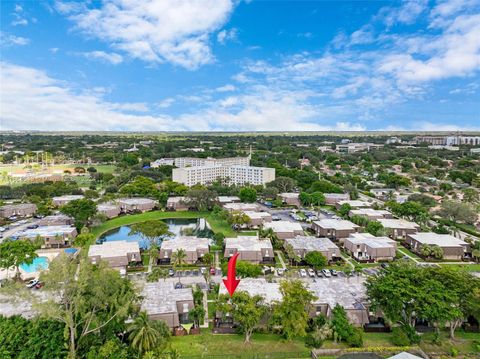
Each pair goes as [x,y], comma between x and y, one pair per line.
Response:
[212,271]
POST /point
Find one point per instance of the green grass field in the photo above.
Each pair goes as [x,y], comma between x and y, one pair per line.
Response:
[208,345]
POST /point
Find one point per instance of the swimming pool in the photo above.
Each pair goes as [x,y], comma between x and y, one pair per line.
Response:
[38,264]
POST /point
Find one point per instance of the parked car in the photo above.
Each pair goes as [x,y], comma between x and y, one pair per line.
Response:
[32,283]
[326,273]
[212,271]
[276,218]
[319,273]
[203,270]
[171,272]
[311,273]
[178,285]
[384,265]
[39,285]
[195,272]
[266,270]
[280,271]
[334,272]
[32,226]
[303,273]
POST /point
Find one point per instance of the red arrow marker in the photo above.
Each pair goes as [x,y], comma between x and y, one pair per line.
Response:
[231,282]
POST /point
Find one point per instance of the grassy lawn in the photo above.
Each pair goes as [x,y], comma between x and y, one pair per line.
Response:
[208,345]
[467,267]
[405,251]
[135,218]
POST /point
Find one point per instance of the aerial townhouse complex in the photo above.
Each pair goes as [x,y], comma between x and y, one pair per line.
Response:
[236,170]
[453,140]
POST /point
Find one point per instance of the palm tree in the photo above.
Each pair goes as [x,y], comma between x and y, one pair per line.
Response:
[178,257]
[147,335]
[270,234]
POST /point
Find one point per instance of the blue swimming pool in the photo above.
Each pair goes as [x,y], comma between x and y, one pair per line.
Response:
[38,264]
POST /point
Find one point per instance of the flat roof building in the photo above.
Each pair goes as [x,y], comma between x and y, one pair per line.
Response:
[350,293]
[291,199]
[135,204]
[336,229]
[332,198]
[56,220]
[250,248]
[258,218]
[353,204]
[370,213]
[453,248]
[20,209]
[63,200]
[195,248]
[162,301]
[399,228]
[366,247]
[241,207]
[109,209]
[285,229]
[227,199]
[306,244]
[257,286]
[118,254]
[177,203]
[53,236]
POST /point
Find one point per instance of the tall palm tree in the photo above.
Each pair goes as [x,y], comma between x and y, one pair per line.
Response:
[178,257]
[147,335]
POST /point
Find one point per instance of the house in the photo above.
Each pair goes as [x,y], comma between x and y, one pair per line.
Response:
[177,204]
[118,254]
[332,198]
[195,248]
[136,204]
[305,244]
[382,192]
[20,210]
[350,293]
[399,228]
[366,247]
[53,236]
[336,229]
[162,301]
[258,218]
[57,220]
[109,209]
[370,213]
[353,204]
[290,199]
[250,248]
[453,248]
[63,200]
[227,199]
[285,229]
[241,207]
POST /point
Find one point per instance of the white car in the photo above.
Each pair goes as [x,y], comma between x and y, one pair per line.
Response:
[32,283]
[303,273]
[311,273]
[280,271]
[326,273]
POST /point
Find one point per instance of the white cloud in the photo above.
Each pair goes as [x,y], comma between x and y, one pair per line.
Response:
[166,102]
[227,35]
[154,30]
[226,88]
[7,39]
[111,57]
[53,50]
[407,13]
[19,16]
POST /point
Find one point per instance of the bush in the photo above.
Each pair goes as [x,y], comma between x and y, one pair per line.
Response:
[356,338]
[312,340]
[399,337]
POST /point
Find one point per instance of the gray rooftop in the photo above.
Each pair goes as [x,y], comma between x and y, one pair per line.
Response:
[349,292]
[258,286]
[162,297]
[371,240]
[311,243]
[284,226]
[397,223]
[136,200]
[248,243]
[187,243]
[442,240]
[46,231]
[338,224]
[113,249]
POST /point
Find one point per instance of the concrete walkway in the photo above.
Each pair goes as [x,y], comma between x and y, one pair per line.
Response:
[280,258]
[405,253]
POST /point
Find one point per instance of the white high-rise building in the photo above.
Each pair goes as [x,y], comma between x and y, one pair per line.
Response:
[181,162]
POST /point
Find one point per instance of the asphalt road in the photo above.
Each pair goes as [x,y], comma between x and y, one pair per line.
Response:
[13,228]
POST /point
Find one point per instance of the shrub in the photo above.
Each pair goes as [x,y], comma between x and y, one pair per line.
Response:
[355,340]
[399,337]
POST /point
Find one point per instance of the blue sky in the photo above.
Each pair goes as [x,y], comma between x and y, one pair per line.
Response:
[240,65]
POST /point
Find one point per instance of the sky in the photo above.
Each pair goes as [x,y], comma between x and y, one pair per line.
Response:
[231,65]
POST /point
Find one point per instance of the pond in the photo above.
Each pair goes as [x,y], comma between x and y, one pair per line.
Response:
[179,227]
